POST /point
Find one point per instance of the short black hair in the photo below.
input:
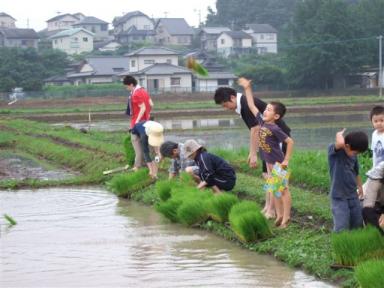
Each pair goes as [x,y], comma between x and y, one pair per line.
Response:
[279,108]
[167,147]
[223,94]
[358,141]
[377,110]
[128,80]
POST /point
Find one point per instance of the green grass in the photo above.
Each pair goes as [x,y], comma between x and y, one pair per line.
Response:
[370,274]
[352,247]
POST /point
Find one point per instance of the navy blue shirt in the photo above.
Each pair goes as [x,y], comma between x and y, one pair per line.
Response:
[212,167]
[343,170]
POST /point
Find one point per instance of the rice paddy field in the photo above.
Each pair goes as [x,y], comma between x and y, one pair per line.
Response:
[306,244]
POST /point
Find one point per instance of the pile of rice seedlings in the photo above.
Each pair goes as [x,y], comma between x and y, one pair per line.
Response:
[352,247]
[123,185]
[169,209]
[192,211]
[370,274]
[220,205]
[248,223]
[129,152]
[163,189]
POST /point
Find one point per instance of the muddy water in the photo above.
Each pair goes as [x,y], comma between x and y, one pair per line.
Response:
[86,237]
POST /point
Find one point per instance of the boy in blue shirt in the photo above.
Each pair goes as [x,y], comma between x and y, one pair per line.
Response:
[345,179]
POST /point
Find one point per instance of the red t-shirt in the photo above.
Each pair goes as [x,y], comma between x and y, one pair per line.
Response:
[139,95]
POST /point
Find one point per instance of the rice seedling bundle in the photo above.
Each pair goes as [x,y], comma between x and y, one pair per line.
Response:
[352,247]
[370,274]
[123,185]
[10,220]
[192,212]
[163,189]
[248,223]
[129,152]
[220,205]
[169,209]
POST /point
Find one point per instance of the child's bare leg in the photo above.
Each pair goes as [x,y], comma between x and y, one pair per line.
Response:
[152,169]
[279,209]
[269,201]
[287,204]
[216,189]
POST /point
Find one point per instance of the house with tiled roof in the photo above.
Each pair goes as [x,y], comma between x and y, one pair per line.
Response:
[233,43]
[99,69]
[95,25]
[20,38]
[7,21]
[147,56]
[134,35]
[264,37]
[173,31]
[73,41]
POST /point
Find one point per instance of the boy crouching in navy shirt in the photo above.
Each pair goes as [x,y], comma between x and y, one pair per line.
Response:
[345,179]
[214,171]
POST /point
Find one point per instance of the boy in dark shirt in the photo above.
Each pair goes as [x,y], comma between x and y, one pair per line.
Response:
[214,171]
[345,179]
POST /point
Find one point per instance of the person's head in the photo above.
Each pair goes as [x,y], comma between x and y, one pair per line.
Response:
[154,131]
[377,118]
[191,147]
[355,143]
[274,111]
[226,97]
[130,82]
[170,149]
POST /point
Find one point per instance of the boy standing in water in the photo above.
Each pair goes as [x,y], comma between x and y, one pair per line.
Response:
[345,179]
[271,136]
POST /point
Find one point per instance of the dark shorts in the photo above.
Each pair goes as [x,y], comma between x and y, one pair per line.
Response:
[223,184]
[347,214]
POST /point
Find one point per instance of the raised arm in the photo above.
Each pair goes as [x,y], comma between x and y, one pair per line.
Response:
[339,141]
[247,85]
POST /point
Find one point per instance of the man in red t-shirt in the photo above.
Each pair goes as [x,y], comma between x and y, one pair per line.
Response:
[139,108]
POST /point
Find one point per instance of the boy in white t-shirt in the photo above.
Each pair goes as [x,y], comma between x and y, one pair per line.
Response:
[373,187]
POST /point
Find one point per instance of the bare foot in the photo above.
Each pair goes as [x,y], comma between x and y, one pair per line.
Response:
[278,221]
[285,224]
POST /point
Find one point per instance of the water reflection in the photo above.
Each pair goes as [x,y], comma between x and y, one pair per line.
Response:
[77,237]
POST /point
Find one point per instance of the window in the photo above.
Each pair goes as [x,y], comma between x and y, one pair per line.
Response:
[175,81]
[222,41]
[85,39]
[262,36]
[169,61]
[55,41]
[149,61]
[270,36]
[146,27]
[222,81]
[133,63]
[75,39]
[118,69]
[93,29]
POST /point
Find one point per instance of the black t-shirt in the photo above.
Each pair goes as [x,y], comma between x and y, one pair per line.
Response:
[251,120]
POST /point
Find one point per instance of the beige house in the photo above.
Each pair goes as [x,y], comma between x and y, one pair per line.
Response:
[208,37]
[264,37]
[62,21]
[7,21]
[147,56]
[133,27]
[233,43]
[73,41]
[173,31]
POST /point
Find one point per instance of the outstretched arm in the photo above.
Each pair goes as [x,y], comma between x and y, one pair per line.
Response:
[247,85]
[339,142]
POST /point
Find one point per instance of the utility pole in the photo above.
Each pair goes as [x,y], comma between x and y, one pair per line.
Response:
[380,82]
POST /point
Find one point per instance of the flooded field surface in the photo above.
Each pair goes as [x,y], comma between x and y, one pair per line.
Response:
[87,237]
[19,167]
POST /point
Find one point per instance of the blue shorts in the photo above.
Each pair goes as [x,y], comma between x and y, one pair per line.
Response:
[347,214]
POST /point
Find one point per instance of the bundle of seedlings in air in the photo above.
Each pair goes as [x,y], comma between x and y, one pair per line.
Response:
[248,223]
[370,274]
[10,220]
[349,248]
[196,67]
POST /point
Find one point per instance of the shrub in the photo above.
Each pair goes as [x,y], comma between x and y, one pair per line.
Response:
[352,247]
[370,274]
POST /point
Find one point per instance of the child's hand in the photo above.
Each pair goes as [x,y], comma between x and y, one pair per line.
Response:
[284,164]
[244,82]
[339,143]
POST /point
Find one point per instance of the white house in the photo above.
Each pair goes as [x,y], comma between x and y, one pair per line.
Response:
[264,37]
[135,18]
[61,22]
[73,41]
[233,43]
[7,21]
[208,37]
[147,56]
[214,80]
[99,69]
[163,77]
[173,31]
[95,25]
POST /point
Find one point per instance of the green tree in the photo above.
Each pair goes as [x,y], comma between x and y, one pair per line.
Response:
[322,49]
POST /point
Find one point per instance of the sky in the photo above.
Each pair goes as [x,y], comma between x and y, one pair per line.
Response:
[35,13]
